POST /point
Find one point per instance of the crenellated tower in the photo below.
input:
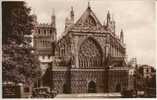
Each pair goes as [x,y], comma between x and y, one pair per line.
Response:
[44,38]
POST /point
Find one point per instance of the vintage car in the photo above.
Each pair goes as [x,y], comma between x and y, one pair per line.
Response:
[44,92]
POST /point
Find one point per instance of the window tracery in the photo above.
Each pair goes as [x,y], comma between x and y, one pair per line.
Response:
[89,54]
[90,22]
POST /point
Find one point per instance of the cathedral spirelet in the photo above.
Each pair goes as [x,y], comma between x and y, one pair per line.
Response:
[89,58]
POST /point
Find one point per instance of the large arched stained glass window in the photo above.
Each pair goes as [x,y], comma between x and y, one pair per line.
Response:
[90,54]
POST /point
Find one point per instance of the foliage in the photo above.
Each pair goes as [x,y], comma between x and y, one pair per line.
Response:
[19,62]
[16,21]
[151,82]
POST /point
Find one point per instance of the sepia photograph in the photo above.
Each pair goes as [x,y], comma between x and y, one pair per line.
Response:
[78,49]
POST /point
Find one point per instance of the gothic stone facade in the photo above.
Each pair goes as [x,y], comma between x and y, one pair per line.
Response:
[90,57]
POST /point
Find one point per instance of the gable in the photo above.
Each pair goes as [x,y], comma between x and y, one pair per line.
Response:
[88,19]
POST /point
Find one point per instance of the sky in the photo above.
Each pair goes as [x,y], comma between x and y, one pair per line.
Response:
[135,17]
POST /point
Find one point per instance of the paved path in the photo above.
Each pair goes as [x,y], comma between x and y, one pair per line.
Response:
[90,95]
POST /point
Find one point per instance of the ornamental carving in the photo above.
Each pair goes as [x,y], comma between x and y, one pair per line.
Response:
[90,54]
[89,22]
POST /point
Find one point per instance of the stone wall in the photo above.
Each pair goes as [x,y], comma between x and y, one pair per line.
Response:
[79,80]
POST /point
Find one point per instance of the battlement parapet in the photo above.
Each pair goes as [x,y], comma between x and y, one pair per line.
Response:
[44,25]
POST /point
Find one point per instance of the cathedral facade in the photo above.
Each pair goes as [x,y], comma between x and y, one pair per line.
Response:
[89,57]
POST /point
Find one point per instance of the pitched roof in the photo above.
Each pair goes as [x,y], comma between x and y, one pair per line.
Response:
[88,19]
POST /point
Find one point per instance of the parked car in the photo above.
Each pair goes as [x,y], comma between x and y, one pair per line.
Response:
[44,92]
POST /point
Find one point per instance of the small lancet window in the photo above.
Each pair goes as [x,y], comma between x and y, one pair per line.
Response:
[44,31]
[39,31]
[50,31]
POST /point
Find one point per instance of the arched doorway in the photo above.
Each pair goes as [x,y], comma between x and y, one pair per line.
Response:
[91,87]
[65,89]
[118,88]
